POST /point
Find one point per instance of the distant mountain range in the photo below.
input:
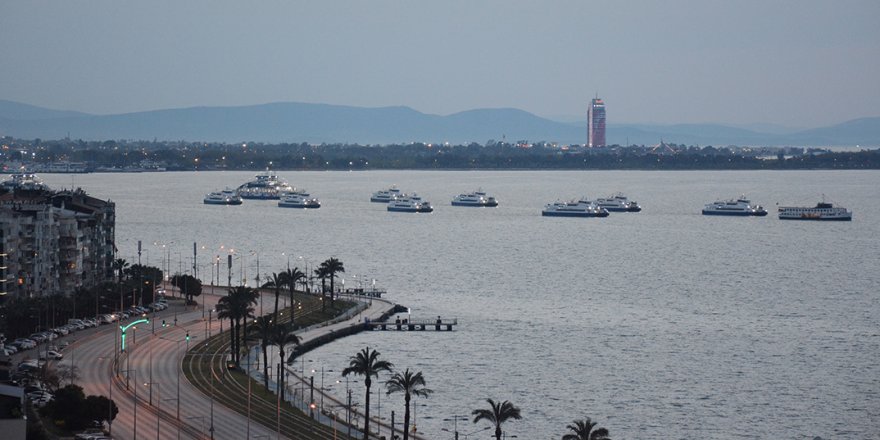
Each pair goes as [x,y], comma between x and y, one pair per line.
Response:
[322,123]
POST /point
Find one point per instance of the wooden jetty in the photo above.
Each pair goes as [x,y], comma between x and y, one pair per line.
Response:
[413,325]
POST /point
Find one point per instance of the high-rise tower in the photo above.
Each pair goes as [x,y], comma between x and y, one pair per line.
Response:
[596,123]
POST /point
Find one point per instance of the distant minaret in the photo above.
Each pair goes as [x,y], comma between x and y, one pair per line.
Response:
[596,123]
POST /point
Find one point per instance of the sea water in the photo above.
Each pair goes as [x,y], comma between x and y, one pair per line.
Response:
[659,323]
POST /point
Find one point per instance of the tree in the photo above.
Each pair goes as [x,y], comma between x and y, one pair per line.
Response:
[189,285]
[291,277]
[226,310]
[276,282]
[321,274]
[332,266]
[410,384]
[146,278]
[68,406]
[281,336]
[237,306]
[262,331]
[100,408]
[498,414]
[367,363]
[119,265]
[583,430]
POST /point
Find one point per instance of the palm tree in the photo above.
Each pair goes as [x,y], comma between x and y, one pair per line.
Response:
[411,384]
[281,336]
[237,306]
[290,278]
[332,266]
[321,274]
[276,282]
[119,265]
[262,332]
[367,363]
[226,310]
[500,413]
[581,430]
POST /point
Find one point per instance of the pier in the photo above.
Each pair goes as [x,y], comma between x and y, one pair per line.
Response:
[413,325]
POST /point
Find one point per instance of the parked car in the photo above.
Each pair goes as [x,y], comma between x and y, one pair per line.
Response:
[52,354]
[33,395]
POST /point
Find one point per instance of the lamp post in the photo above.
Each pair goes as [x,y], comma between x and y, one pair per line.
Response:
[455,420]
[158,404]
[134,400]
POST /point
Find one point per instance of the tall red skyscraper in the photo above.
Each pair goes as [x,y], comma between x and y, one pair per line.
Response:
[596,123]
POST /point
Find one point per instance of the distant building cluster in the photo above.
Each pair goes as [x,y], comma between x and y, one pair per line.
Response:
[53,242]
[596,123]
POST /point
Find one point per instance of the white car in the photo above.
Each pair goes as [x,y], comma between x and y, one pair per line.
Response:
[39,395]
[52,354]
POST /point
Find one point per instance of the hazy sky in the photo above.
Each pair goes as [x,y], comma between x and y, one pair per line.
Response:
[798,63]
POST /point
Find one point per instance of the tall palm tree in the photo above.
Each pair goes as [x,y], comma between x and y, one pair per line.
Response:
[583,430]
[276,282]
[367,363]
[119,265]
[411,384]
[226,310]
[262,332]
[237,306]
[281,336]
[332,266]
[321,274]
[498,414]
[290,277]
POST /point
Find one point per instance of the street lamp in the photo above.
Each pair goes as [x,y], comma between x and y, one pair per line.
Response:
[479,430]
[455,420]
[134,400]
[158,403]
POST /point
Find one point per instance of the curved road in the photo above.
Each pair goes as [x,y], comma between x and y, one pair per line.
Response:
[152,366]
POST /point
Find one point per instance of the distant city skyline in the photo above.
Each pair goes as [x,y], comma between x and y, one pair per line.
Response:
[796,64]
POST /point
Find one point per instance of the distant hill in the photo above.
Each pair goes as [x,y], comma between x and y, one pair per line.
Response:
[317,123]
[25,112]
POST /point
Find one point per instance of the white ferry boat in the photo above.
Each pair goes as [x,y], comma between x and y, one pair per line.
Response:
[580,208]
[386,195]
[477,198]
[741,207]
[265,186]
[823,211]
[298,200]
[225,197]
[25,182]
[618,203]
[411,203]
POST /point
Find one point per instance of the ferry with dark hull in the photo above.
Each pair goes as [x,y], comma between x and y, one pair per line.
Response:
[411,203]
[265,186]
[823,211]
[298,200]
[225,197]
[618,203]
[741,207]
[478,198]
[386,195]
[580,208]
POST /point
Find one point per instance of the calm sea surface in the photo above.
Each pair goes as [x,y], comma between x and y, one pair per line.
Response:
[660,323]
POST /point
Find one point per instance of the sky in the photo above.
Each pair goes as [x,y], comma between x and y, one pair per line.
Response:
[799,63]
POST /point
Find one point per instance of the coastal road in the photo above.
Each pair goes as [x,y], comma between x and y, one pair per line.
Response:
[152,366]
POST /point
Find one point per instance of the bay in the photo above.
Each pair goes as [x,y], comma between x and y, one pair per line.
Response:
[663,321]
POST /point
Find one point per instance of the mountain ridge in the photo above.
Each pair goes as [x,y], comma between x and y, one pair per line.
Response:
[331,123]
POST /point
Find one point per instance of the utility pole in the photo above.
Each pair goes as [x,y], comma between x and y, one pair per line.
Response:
[195,265]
